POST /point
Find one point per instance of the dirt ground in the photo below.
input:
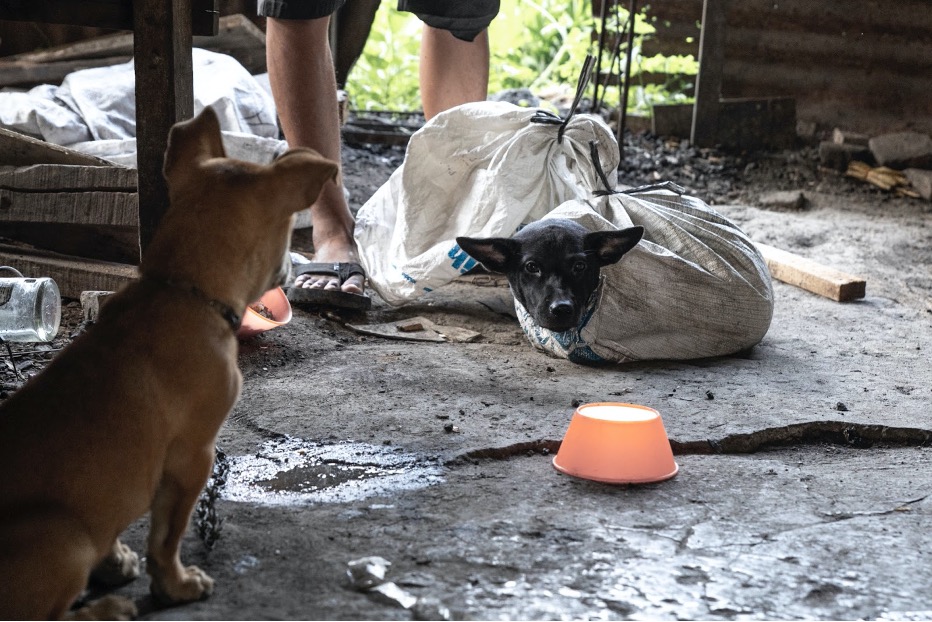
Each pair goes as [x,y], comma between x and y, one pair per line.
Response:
[804,484]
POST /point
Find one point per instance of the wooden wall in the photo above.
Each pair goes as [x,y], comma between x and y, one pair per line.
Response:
[862,65]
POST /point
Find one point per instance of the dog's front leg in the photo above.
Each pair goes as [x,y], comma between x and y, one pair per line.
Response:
[171,511]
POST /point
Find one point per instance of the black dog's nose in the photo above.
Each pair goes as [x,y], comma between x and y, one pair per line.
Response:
[561,308]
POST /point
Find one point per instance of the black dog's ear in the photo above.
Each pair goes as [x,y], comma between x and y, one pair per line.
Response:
[493,253]
[610,246]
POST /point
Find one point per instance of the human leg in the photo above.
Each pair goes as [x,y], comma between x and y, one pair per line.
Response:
[454,64]
[452,71]
[304,88]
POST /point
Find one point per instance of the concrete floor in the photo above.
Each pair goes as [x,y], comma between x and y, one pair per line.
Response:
[805,464]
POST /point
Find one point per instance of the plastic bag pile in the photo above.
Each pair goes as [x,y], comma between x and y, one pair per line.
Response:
[94,110]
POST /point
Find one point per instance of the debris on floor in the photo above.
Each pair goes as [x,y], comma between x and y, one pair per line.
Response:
[416,329]
[368,575]
[883,177]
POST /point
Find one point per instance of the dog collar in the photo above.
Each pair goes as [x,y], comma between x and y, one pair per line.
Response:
[232,318]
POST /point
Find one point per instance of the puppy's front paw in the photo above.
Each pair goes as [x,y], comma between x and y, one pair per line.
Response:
[192,584]
[119,567]
[107,608]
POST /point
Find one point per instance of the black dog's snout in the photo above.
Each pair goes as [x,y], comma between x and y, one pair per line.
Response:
[561,308]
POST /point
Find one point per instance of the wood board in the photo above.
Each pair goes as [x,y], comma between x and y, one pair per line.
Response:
[237,36]
[812,276]
[20,150]
[73,275]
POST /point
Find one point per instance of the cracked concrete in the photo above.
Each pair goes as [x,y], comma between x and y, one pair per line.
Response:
[804,484]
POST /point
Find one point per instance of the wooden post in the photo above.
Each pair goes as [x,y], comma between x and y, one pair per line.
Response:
[164,96]
[709,79]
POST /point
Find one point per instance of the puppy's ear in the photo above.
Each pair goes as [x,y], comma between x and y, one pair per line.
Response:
[193,141]
[609,246]
[306,171]
[493,253]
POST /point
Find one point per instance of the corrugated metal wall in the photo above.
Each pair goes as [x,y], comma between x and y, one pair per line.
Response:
[862,65]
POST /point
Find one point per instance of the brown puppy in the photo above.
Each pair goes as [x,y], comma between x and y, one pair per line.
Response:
[124,420]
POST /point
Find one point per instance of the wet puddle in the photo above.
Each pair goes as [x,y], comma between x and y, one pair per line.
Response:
[293,471]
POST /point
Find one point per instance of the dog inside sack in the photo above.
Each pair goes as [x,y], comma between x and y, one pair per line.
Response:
[480,170]
[695,286]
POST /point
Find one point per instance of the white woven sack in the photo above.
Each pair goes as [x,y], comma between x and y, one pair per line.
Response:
[480,169]
[694,287]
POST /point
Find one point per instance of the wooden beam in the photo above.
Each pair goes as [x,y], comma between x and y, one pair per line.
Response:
[73,275]
[27,73]
[20,150]
[237,37]
[119,244]
[86,211]
[164,96]
[114,14]
[752,123]
[709,79]
[69,178]
[811,275]
[85,208]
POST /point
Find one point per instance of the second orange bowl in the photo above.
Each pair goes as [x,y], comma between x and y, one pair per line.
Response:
[616,443]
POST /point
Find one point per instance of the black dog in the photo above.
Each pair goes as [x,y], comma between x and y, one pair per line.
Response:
[553,265]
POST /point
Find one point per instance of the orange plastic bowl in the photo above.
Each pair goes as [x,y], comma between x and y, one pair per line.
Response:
[277,303]
[616,443]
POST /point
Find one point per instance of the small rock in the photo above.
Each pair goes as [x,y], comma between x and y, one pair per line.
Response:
[902,150]
[783,200]
[91,301]
[921,181]
[840,407]
[843,137]
[709,395]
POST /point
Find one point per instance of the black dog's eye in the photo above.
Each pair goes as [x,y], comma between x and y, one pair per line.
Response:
[579,266]
[531,267]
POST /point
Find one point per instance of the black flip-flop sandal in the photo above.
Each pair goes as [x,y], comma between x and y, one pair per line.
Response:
[330,297]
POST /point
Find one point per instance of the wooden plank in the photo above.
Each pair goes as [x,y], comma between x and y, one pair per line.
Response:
[757,123]
[709,79]
[753,123]
[115,14]
[86,208]
[69,178]
[235,33]
[238,37]
[118,44]
[28,73]
[20,150]
[672,119]
[164,96]
[812,276]
[73,275]
[104,243]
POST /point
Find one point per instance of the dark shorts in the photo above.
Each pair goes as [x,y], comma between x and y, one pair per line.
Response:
[463,18]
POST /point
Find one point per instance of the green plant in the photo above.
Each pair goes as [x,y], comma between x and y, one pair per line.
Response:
[535,44]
